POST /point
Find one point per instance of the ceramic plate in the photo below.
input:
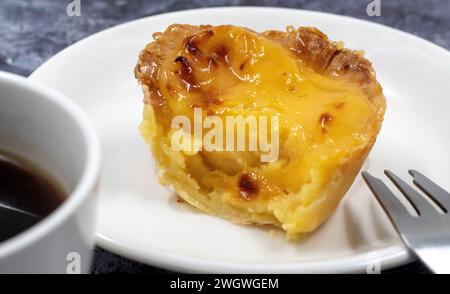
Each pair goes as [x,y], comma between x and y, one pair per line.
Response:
[142,220]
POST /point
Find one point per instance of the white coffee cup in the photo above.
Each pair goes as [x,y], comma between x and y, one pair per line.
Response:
[45,127]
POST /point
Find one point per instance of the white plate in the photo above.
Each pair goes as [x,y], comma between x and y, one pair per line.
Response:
[141,219]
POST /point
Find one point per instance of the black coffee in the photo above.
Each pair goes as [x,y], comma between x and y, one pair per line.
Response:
[27,194]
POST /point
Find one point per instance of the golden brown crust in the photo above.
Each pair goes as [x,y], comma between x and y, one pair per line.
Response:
[151,58]
[310,45]
[327,57]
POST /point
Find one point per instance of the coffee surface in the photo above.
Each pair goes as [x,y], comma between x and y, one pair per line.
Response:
[27,195]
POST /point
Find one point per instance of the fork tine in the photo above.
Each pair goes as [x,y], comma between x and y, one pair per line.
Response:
[421,205]
[439,195]
[396,211]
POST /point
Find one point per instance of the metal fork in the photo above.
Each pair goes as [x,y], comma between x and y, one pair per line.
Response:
[427,235]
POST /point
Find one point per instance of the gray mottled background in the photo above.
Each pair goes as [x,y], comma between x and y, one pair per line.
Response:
[31,31]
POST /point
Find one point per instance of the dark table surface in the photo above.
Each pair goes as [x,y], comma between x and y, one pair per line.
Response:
[31,31]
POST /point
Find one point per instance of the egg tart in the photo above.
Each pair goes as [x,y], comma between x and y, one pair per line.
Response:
[326,98]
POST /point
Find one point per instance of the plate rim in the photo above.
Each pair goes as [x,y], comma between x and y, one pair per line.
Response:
[391,256]
[260,8]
